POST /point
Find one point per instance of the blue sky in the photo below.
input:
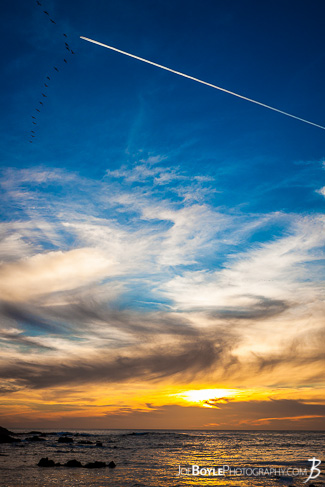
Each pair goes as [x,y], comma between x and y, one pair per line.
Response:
[104,110]
[149,207]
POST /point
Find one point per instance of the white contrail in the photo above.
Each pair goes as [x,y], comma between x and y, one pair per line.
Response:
[202,82]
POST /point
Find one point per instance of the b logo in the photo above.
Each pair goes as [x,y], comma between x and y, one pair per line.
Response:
[314,471]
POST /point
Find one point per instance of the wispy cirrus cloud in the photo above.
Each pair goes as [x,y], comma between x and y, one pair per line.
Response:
[274,270]
[156,279]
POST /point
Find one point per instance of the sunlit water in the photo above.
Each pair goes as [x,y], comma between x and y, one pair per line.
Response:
[152,459]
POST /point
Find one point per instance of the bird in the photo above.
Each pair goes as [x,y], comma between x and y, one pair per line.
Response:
[52,21]
[48,78]
[56,69]
[72,52]
[38,3]
[65,35]
[41,103]
[33,135]
[37,110]
[33,131]
[67,48]
[66,44]
[34,123]
[34,117]
[46,86]
[46,12]
[65,60]
[44,95]
[31,141]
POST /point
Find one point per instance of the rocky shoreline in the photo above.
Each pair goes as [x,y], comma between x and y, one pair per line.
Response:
[45,462]
[7,436]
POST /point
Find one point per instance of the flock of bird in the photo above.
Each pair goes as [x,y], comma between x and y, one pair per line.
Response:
[48,78]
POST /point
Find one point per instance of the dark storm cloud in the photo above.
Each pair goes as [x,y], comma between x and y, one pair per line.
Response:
[19,339]
[262,310]
[266,412]
[273,407]
[188,359]
[8,389]
[188,351]
[287,357]
[87,311]
[305,349]
[85,314]
[30,317]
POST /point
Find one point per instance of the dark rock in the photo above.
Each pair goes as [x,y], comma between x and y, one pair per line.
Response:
[65,439]
[5,436]
[36,438]
[5,432]
[45,462]
[73,464]
[99,443]
[111,464]
[95,465]
[8,439]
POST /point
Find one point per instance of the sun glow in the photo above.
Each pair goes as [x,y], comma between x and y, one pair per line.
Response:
[203,396]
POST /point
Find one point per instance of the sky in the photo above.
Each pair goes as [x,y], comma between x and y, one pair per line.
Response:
[162,243]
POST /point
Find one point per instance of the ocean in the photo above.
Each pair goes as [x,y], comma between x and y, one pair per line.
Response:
[157,458]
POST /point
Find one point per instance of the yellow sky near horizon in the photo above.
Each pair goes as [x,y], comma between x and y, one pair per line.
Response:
[99,405]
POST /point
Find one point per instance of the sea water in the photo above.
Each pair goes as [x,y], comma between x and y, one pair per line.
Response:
[157,458]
